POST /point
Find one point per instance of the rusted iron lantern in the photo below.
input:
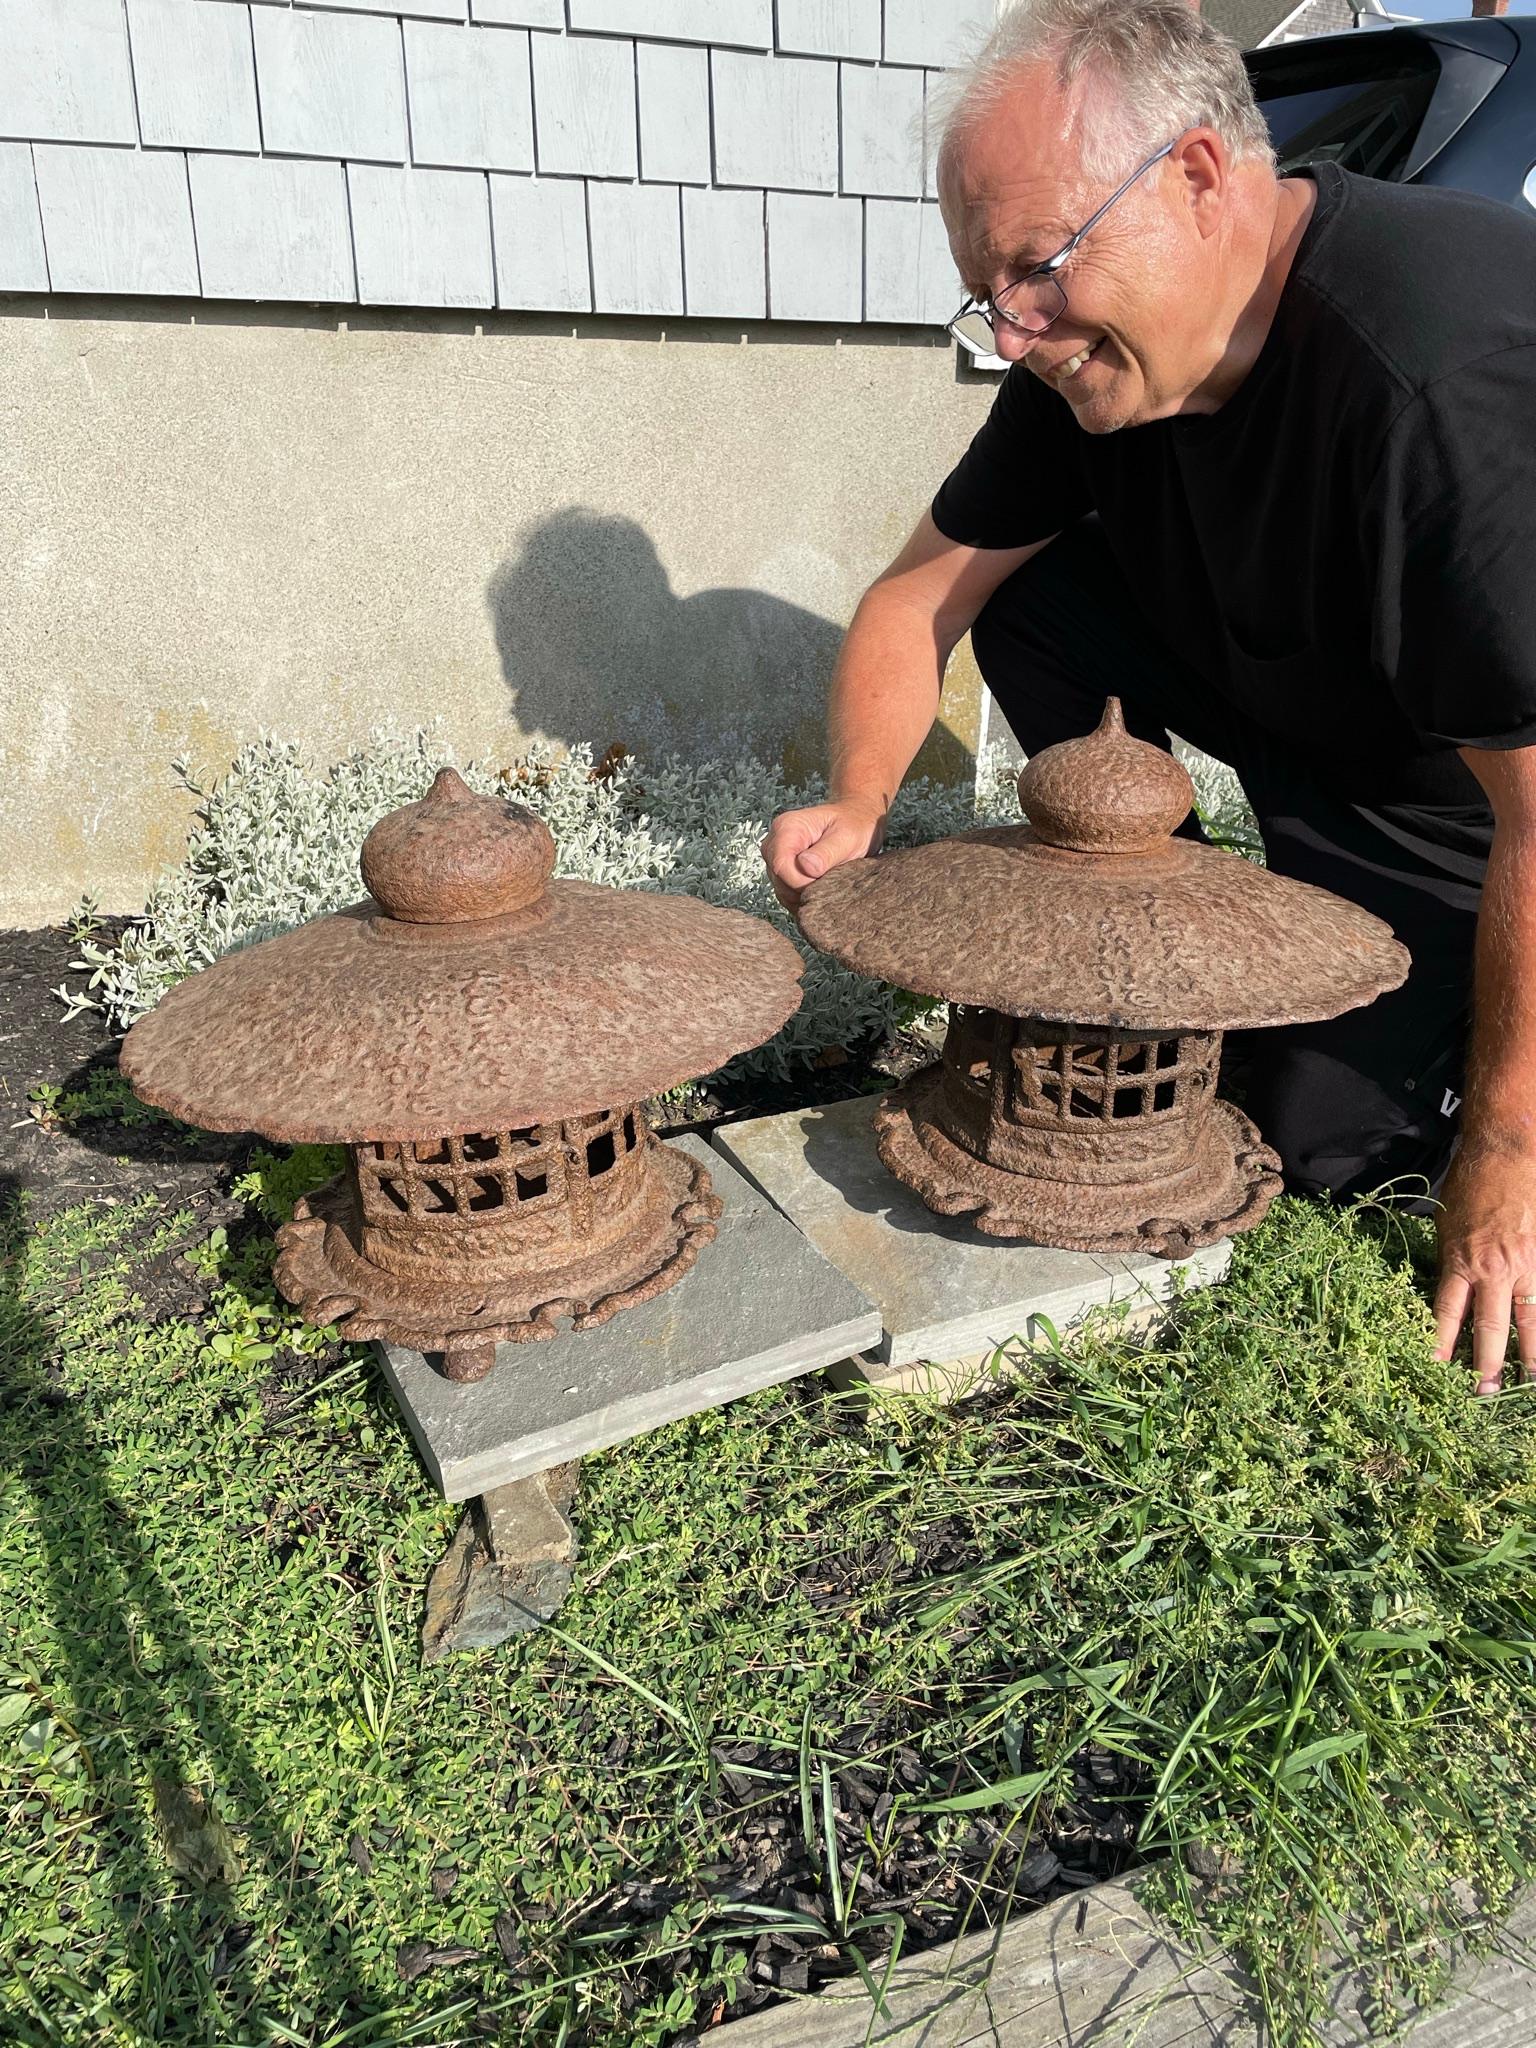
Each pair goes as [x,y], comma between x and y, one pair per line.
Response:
[1091,962]
[481,1037]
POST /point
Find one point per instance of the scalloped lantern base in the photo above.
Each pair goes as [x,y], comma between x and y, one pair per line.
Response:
[1226,1185]
[322,1270]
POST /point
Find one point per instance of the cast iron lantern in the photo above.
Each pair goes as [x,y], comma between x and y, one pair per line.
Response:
[1091,962]
[482,1038]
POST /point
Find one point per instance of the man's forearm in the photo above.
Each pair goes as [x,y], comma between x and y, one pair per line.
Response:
[885,696]
[1499,1113]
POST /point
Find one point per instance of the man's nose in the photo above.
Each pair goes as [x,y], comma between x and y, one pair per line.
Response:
[1013,344]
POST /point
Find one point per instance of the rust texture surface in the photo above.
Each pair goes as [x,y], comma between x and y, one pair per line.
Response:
[1092,963]
[481,1035]
[1162,936]
[364,1026]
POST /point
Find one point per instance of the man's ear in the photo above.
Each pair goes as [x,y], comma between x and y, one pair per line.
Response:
[1204,170]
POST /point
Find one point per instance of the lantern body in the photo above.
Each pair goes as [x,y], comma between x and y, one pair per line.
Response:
[1077,1136]
[1092,963]
[498,1235]
[481,1036]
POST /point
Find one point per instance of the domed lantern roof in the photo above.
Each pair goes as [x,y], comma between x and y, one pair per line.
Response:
[1092,962]
[481,1035]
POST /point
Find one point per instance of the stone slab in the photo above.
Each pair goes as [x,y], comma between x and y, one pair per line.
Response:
[760,1306]
[943,1290]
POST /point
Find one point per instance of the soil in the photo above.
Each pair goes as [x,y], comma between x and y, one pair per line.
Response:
[99,1160]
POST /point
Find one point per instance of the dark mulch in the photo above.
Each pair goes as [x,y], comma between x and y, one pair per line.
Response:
[990,1873]
[102,1160]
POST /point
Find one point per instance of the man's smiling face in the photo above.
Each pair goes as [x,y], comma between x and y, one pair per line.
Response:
[1138,334]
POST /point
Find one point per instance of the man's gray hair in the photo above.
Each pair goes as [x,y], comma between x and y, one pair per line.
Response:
[1165,70]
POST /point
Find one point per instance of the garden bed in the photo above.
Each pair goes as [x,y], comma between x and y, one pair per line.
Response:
[836,1680]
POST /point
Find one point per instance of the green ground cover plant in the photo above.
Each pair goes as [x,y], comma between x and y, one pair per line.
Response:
[1274,1567]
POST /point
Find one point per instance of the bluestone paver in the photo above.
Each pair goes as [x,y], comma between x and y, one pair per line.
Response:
[943,1290]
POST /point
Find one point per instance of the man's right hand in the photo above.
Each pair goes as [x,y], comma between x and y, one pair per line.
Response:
[802,845]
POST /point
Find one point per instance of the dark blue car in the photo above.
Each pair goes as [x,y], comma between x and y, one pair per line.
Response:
[1434,103]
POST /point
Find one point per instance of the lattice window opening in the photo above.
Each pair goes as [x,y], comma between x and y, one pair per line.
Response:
[604,1140]
[1117,1080]
[480,1173]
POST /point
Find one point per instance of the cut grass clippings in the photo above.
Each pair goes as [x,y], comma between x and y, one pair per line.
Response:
[831,1680]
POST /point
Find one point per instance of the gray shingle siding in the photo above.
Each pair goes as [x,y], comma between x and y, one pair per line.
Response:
[22,256]
[470,95]
[331,84]
[725,159]
[64,72]
[194,74]
[272,228]
[422,237]
[116,220]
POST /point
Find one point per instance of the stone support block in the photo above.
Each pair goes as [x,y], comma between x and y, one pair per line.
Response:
[507,1568]
[945,1293]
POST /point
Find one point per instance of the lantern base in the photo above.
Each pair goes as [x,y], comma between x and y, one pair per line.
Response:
[322,1270]
[1226,1185]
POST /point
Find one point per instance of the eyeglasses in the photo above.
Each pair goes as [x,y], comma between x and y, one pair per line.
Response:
[1037,300]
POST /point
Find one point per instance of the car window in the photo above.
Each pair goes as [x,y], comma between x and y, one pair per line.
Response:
[1359,103]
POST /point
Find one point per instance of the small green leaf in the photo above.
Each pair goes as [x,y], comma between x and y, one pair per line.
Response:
[1315,1753]
[1007,1792]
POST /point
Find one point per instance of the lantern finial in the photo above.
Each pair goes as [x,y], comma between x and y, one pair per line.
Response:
[455,858]
[1106,793]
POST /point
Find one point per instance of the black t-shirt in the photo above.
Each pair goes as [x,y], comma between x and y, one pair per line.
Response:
[1347,549]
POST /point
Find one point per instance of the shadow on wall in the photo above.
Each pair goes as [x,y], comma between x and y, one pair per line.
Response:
[596,645]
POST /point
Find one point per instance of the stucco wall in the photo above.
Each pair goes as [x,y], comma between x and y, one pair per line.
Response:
[222,520]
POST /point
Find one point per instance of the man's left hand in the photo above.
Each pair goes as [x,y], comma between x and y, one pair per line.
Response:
[1488,1260]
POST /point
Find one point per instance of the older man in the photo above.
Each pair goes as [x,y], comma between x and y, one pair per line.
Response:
[1265,466]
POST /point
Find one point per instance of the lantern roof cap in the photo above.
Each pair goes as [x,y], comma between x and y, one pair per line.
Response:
[469,992]
[1092,913]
